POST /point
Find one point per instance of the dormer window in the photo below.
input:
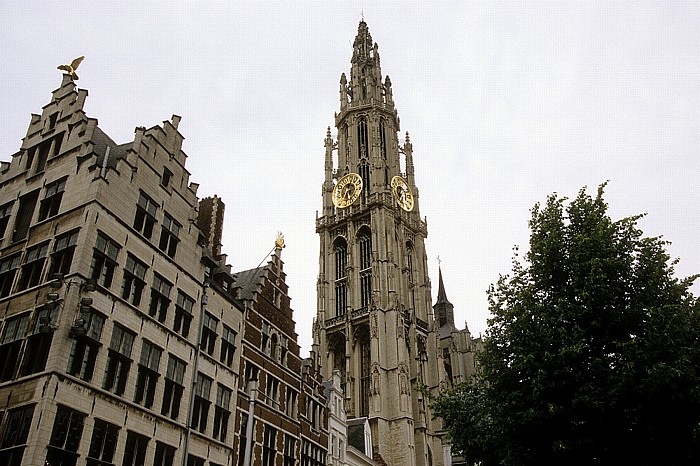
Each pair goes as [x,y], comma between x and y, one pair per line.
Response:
[52,120]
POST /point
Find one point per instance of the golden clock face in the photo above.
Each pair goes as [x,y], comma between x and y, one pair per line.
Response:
[347,190]
[402,193]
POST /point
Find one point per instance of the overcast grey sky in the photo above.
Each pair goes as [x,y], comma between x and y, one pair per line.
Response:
[505,103]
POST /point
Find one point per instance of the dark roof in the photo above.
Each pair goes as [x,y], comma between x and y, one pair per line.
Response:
[356,433]
[116,151]
[248,281]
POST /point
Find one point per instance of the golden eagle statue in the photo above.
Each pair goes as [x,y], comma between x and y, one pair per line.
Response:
[70,69]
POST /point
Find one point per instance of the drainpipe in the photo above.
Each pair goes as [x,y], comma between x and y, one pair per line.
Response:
[248,457]
[205,300]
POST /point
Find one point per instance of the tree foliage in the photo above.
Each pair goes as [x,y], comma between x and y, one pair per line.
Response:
[592,354]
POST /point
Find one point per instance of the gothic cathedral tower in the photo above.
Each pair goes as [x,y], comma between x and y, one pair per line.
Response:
[374,305]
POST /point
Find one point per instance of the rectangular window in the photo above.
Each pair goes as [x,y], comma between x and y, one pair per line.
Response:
[5,212]
[135,449]
[269,450]
[118,360]
[103,444]
[200,413]
[62,256]
[145,216]
[39,342]
[148,374]
[194,461]
[290,408]
[27,203]
[222,412]
[165,178]
[169,236]
[34,260]
[14,439]
[52,199]
[86,332]
[284,349]
[174,387]
[165,455]
[265,336]
[160,298]
[209,334]
[13,334]
[289,450]
[183,314]
[43,150]
[104,260]
[251,373]
[228,346]
[272,391]
[312,455]
[8,270]
[133,284]
[242,439]
[65,437]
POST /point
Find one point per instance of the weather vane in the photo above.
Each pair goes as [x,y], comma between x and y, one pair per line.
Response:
[70,69]
[279,242]
[439,261]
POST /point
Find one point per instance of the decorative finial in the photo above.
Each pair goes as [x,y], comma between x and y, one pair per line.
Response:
[70,69]
[279,242]
[439,261]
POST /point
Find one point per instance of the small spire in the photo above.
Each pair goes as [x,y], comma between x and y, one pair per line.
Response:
[442,296]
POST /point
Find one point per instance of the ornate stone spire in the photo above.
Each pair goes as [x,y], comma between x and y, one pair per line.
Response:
[366,74]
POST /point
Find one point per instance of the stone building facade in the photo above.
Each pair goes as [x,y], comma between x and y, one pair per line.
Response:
[375,328]
[124,336]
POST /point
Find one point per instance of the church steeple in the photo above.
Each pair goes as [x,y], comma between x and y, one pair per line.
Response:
[366,73]
[374,321]
[444,310]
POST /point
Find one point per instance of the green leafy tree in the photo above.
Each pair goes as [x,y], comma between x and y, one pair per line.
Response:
[592,354]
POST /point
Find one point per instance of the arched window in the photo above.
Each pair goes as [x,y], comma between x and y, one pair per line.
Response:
[409,261]
[365,241]
[341,279]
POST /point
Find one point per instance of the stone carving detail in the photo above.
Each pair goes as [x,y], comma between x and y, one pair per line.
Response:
[404,388]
